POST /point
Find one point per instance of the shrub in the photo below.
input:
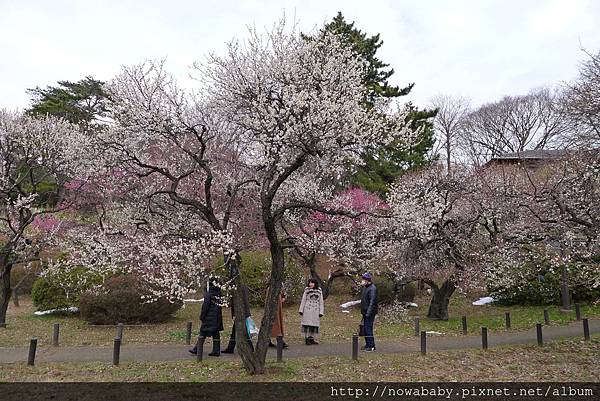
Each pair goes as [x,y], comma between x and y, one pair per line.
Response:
[294,282]
[342,286]
[119,300]
[536,282]
[406,292]
[389,291]
[386,287]
[62,287]
[47,294]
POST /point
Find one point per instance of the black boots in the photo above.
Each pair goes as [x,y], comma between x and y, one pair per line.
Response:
[216,351]
[310,341]
[275,346]
[230,347]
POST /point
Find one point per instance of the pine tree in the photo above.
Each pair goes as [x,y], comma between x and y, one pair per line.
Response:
[383,165]
[82,102]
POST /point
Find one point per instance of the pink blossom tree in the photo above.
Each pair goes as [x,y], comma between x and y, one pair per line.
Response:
[348,233]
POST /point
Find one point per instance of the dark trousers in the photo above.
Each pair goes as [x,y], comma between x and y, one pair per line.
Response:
[369,336]
[231,344]
[216,337]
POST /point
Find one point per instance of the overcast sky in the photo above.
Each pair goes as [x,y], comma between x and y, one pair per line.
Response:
[481,49]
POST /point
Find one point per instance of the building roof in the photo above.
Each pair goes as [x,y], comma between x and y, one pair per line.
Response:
[536,154]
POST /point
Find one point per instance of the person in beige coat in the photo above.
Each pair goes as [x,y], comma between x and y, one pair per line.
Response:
[311,309]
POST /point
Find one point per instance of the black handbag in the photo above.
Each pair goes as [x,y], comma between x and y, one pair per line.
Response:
[361,329]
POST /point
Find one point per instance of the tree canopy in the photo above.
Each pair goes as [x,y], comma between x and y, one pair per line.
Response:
[81,102]
[382,165]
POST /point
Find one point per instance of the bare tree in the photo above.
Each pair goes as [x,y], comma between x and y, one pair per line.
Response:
[582,103]
[513,124]
[447,124]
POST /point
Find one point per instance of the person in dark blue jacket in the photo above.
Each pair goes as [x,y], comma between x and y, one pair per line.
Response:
[368,309]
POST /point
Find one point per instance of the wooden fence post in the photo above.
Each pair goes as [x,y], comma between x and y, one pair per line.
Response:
[484,338]
[117,351]
[188,334]
[586,330]
[32,349]
[279,348]
[55,334]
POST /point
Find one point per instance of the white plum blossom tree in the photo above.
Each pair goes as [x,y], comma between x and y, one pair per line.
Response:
[37,157]
[550,212]
[168,190]
[275,121]
[296,107]
[439,237]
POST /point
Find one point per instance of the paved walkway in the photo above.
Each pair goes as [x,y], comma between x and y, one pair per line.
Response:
[175,352]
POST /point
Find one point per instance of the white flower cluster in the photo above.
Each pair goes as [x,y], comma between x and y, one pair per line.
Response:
[172,256]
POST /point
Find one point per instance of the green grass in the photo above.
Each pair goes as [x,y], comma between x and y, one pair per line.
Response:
[337,326]
[490,316]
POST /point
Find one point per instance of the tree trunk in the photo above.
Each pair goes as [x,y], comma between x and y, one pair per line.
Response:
[17,287]
[270,311]
[448,151]
[254,360]
[438,308]
[312,267]
[325,285]
[248,355]
[245,350]
[5,289]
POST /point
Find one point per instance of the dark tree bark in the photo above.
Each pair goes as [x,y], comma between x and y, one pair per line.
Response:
[254,360]
[245,350]
[5,288]
[326,285]
[438,308]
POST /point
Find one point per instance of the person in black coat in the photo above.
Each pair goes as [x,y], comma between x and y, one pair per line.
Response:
[368,309]
[211,316]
